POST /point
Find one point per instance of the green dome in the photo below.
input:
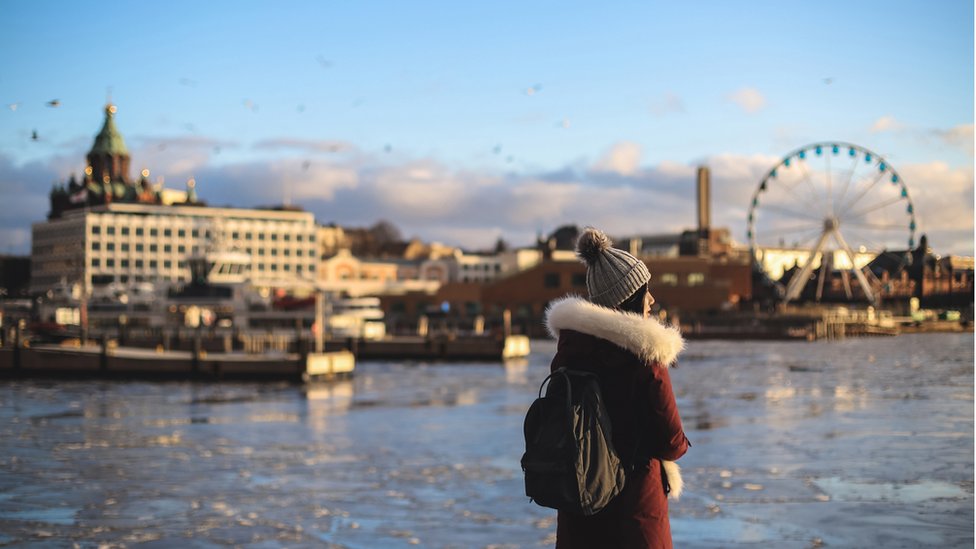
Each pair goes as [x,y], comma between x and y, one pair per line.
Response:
[109,140]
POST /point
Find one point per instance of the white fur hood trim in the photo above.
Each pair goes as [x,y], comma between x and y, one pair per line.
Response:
[647,338]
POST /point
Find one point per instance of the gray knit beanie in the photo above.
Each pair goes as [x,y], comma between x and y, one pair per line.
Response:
[612,275]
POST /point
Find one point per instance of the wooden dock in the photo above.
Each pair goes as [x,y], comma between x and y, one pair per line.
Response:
[458,348]
[126,362]
[801,325]
[435,346]
[288,360]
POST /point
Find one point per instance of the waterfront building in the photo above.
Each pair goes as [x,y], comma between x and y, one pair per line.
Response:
[345,267]
[344,273]
[688,284]
[479,268]
[130,243]
[461,267]
[935,281]
[110,228]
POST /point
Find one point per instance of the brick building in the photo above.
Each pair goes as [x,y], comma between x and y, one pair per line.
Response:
[679,285]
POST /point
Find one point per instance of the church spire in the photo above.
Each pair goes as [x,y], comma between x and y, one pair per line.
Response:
[109,155]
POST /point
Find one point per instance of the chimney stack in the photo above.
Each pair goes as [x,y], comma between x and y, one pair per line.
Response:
[704,200]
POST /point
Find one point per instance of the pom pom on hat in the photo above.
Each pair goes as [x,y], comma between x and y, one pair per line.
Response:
[591,245]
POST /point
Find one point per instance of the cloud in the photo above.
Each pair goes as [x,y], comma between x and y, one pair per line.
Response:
[313,180]
[428,199]
[272,183]
[422,189]
[750,100]
[943,199]
[960,137]
[13,240]
[304,145]
[434,201]
[622,159]
[667,104]
[942,195]
[474,238]
[543,202]
[886,123]
[178,157]
[734,179]
[25,191]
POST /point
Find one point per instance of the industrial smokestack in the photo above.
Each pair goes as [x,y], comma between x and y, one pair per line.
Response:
[704,200]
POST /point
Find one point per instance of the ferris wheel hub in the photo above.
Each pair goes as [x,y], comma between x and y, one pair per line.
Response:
[831,223]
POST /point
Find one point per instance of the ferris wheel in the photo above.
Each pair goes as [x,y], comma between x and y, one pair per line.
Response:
[826,198]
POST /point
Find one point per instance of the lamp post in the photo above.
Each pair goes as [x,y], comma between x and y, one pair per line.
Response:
[123,322]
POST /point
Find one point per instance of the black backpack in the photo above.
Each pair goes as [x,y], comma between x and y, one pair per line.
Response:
[569,462]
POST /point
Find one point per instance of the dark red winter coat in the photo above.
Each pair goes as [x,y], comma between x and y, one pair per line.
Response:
[631,356]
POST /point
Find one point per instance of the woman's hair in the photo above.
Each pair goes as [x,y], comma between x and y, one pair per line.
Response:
[635,303]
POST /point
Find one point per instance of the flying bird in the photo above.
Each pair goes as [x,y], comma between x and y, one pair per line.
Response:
[54,103]
[829,80]
[34,135]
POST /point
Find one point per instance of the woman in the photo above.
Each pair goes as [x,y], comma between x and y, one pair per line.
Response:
[613,336]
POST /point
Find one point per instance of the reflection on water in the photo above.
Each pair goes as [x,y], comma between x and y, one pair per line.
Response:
[856,443]
[912,492]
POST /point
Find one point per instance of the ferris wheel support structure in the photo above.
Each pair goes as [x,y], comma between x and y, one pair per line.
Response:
[831,228]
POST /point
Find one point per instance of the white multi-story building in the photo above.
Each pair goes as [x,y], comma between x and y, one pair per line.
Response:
[130,243]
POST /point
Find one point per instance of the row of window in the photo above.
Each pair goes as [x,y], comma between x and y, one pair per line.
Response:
[482,267]
[110,263]
[195,233]
[139,263]
[554,280]
[139,247]
[671,279]
[286,267]
[181,249]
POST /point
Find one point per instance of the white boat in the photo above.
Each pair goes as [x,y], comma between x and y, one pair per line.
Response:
[359,317]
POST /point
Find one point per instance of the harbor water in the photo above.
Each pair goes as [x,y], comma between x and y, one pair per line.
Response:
[852,443]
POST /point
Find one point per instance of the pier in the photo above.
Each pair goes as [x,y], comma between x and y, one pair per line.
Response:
[810,324]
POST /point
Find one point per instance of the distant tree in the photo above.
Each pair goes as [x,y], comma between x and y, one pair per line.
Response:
[565,237]
[501,245]
[384,232]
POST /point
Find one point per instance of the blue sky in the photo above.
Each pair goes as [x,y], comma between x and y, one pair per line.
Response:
[465,121]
